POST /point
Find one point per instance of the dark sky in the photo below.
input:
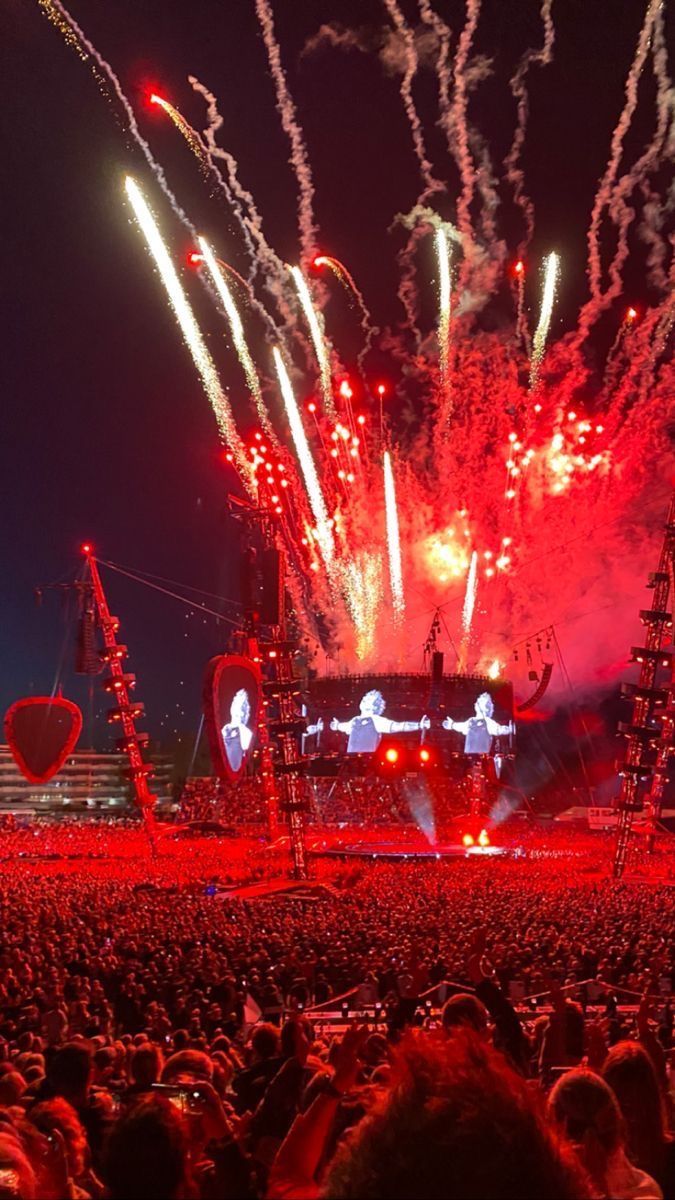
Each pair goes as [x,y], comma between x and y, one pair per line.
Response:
[107,433]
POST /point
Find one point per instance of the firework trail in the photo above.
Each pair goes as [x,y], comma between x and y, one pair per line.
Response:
[420,220]
[621,213]
[456,123]
[650,231]
[184,128]
[468,607]
[514,171]
[263,257]
[393,540]
[603,198]
[444,301]
[317,502]
[291,127]
[74,36]
[551,276]
[521,316]
[318,334]
[190,329]
[444,35]
[411,64]
[362,586]
[238,337]
[348,282]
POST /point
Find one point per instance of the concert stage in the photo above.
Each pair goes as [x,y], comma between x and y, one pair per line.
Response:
[345,845]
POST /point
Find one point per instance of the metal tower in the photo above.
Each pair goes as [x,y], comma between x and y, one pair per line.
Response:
[126,711]
[652,703]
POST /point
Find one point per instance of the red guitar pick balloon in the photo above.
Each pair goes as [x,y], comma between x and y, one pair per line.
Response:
[41,732]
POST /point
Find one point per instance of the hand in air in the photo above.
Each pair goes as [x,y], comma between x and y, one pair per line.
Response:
[335,724]
[448,723]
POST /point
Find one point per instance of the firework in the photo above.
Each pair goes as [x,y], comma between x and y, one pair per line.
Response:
[316,329]
[568,473]
[191,137]
[444,299]
[189,328]
[393,539]
[551,274]
[291,126]
[317,502]
[238,337]
[514,171]
[348,282]
[470,595]
[411,64]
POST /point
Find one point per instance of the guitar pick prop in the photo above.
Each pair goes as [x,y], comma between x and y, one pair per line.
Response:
[41,732]
[232,703]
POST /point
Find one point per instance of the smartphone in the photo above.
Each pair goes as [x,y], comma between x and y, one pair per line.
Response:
[175,1093]
[185,1097]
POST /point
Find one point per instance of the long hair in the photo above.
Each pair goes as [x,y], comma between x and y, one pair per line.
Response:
[456,1122]
[630,1073]
[586,1109]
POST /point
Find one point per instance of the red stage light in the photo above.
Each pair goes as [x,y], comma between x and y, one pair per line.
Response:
[311,407]
[381,389]
[345,390]
[391,755]
[631,314]
[425,755]
[194,258]
[519,267]
[467,840]
[155,99]
[86,548]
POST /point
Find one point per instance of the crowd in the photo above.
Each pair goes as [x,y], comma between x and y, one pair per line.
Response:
[205,798]
[159,1040]
[345,801]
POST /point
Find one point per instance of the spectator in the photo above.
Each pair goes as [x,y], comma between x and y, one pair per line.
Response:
[587,1111]
[457,1122]
[147,1155]
[630,1073]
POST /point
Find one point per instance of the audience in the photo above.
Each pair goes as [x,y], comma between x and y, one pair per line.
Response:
[157,1040]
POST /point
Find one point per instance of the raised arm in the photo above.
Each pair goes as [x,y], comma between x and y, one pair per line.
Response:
[297,1162]
[456,726]
[496,730]
[341,726]
[408,726]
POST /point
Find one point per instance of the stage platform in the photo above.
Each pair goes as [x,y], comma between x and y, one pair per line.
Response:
[394,851]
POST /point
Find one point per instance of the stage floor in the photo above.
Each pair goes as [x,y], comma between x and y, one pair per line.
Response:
[373,847]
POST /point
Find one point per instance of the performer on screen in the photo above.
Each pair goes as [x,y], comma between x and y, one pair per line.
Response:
[481,729]
[365,731]
[237,736]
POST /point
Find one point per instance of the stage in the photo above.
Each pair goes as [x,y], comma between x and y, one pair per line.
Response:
[393,851]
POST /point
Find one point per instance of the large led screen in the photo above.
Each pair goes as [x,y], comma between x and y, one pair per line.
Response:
[232,702]
[462,715]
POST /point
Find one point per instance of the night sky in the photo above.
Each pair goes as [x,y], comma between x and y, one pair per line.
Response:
[107,434]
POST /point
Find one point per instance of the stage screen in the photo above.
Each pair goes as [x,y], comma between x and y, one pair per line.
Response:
[461,715]
[232,701]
